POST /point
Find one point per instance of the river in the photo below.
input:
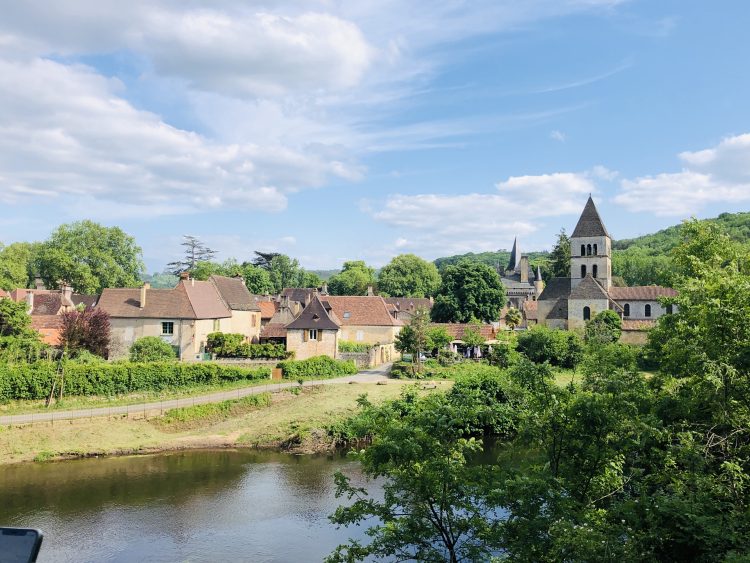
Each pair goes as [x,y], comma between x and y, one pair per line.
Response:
[225,505]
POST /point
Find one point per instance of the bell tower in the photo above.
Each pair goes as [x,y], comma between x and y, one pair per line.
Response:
[591,249]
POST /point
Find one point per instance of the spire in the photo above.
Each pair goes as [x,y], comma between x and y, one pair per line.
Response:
[590,224]
[538,276]
[515,257]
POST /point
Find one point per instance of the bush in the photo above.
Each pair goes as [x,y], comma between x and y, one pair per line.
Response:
[33,381]
[233,345]
[151,349]
[319,367]
[558,347]
[354,347]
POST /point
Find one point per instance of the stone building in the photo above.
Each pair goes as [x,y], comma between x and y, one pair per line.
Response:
[521,283]
[315,332]
[570,302]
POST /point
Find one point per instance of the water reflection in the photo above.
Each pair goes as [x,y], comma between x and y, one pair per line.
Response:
[186,506]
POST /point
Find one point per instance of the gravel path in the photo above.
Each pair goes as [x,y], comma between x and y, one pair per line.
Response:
[366,376]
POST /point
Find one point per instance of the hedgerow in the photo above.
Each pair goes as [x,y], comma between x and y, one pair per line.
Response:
[33,381]
[319,367]
[231,345]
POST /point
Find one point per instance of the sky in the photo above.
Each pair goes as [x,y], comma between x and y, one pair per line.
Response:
[341,130]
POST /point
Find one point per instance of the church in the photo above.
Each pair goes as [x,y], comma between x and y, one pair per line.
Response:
[568,303]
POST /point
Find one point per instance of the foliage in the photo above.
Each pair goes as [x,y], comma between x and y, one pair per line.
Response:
[33,381]
[469,290]
[495,260]
[472,336]
[233,345]
[413,338]
[604,328]
[438,338]
[317,367]
[18,341]
[87,329]
[16,265]
[513,318]
[284,271]
[354,279]
[14,320]
[347,346]
[214,412]
[163,280]
[559,258]
[195,251]
[408,275]
[89,257]
[639,266]
[152,349]
[558,347]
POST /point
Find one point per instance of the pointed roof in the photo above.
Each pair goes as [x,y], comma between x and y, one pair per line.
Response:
[314,316]
[515,256]
[589,288]
[590,224]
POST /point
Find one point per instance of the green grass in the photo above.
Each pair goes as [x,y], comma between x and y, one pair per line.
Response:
[214,412]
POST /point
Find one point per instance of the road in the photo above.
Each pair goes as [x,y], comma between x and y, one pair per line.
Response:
[366,376]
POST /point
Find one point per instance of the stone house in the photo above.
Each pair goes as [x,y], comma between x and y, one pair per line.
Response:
[182,316]
[315,332]
[403,308]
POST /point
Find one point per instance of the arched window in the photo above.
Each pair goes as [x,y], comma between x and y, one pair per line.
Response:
[583,270]
[583,250]
[594,270]
[588,250]
[586,313]
[595,251]
[627,309]
[648,310]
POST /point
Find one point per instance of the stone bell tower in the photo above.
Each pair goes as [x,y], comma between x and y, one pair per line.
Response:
[591,249]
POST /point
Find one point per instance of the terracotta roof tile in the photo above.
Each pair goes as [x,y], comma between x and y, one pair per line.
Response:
[641,293]
[234,293]
[361,310]
[456,330]
[267,309]
[205,300]
[530,310]
[409,303]
[638,325]
[160,303]
[273,330]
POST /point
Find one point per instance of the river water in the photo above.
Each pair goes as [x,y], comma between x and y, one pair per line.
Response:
[225,505]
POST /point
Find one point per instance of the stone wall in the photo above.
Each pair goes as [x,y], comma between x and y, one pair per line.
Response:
[303,349]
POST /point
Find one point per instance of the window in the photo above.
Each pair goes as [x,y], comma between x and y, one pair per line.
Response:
[254,321]
[167,328]
[588,250]
[583,270]
[595,251]
[648,310]
[583,250]
[313,334]
[594,270]
[217,325]
[587,313]
[627,309]
[360,336]
[347,315]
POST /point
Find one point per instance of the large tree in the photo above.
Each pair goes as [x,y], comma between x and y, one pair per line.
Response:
[409,275]
[88,329]
[469,290]
[90,257]
[16,264]
[354,279]
[559,258]
[195,251]
[414,338]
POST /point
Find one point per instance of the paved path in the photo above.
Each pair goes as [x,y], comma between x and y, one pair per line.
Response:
[366,376]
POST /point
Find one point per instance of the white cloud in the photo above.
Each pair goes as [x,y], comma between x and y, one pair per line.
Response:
[717,175]
[556,135]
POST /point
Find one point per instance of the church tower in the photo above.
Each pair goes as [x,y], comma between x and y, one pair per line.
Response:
[591,249]
[515,259]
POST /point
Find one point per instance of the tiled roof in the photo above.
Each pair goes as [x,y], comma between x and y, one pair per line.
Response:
[299,294]
[4,293]
[590,224]
[88,301]
[361,310]
[315,316]
[409,303]
[46,304]
[273,330]
[46,322]
[530,309]
[555,288]
[637,325]
[456,330]
[234,293]
[559,310]
[205,300]
[589,288]
[267,309]
[641,293]
[160,303]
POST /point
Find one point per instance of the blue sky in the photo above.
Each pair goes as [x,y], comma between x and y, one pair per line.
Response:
[334,130]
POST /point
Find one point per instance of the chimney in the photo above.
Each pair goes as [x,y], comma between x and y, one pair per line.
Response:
[185,275]
[524,265]
[39,283]
[370,291]
[324,289]
[30,301]
[67,294]
[144,289]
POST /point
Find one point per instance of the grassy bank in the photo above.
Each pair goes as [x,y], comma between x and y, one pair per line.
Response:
[290,421]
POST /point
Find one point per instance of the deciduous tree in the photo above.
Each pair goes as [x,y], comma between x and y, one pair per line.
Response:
[354,279]
[469,290]
[408,275]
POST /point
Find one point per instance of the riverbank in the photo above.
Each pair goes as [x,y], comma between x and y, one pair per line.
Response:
[291,422]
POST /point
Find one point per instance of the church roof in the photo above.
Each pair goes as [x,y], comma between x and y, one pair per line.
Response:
[589,288]
[590,223]
[641,293]
[515,256]
[555,288]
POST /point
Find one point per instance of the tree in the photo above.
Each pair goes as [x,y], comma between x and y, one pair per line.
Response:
[14,320]
[87,329]
[90,257]
[16,264]
[469,290]
[354,279]
[151,349]
[559,258]
[408,275]
[195,251]
[163,280]
[604,328]
[413,338]
[264,259]
[18,341]
[513,318]
[438,338]
[472,336]
[257,280]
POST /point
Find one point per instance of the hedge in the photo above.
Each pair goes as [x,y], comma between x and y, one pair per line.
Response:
[232,345]
[347,346]
[319,367]
[34,381]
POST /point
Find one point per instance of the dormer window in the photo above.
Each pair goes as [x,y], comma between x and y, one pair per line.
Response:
[347,314]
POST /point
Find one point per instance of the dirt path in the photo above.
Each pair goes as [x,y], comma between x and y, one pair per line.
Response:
[366,376]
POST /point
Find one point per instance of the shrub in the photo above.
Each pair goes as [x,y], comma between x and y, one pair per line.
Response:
[88,329]
[318,367]
[558,347]
[354,347]
[33,381]
[233,345]
[151,349]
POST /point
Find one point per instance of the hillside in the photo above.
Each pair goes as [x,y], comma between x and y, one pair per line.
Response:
[500,257]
